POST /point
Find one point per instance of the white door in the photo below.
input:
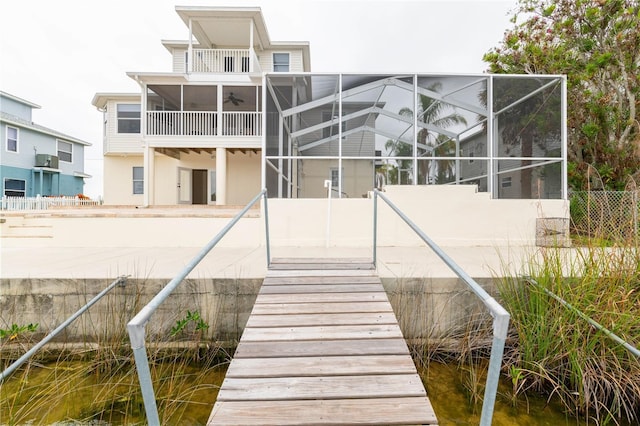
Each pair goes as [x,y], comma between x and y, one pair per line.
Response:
[184,186]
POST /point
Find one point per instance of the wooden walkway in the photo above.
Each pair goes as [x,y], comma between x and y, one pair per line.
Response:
[322,347]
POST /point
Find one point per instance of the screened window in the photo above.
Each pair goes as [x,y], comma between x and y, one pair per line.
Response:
[65,152]
[128,118]
[506,182]
[138,180]
[12,139]
[14,187]
[281,62]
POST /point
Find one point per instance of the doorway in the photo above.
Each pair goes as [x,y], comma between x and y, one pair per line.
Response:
[192,186]
[199,186]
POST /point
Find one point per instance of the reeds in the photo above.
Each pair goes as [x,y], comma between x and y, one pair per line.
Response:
[95,381]
[556,352]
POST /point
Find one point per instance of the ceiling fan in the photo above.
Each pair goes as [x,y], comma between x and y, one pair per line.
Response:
[233,99]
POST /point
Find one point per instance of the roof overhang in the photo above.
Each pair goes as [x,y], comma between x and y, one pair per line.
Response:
[100,99]
[214,26]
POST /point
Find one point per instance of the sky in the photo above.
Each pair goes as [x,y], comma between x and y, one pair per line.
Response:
[59,54]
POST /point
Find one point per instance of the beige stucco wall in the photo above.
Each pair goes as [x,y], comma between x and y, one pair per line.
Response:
[243,177]
[118,188]
[450,215]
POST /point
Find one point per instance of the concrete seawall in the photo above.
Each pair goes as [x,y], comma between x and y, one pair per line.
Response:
[425,307]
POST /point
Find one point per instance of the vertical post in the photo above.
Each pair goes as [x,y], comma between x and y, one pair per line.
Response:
[266,226]
[221,176]
[251,53]
[146,386]
[190,49]
[563,147]
[339,147]
[414,161]
[500,328]
[490,139]
[375,227]
[327,184]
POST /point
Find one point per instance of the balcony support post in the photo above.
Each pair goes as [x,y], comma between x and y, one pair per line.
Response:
[149,173]
[251,52]
[190,51]
[221,176]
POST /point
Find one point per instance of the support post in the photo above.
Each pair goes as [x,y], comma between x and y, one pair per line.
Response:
[221,176]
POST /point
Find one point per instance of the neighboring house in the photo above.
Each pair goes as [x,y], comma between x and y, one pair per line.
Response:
[36,160]
[194,135]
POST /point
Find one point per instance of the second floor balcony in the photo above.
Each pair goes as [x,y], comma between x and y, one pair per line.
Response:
[203,123]
[224,61]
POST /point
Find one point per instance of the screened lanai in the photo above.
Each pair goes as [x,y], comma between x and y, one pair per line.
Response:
[506,134]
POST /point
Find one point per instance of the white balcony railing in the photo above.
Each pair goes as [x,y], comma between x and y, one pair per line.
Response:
[224,60]
[203,123]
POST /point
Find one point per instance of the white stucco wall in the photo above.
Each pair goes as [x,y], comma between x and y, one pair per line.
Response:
[452,216]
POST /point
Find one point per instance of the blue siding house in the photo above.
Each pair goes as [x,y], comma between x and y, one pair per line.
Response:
[36,160]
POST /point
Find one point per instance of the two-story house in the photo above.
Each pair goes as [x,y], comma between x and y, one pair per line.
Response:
[194,135]
[36,160]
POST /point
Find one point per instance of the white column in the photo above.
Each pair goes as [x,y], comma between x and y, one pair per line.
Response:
[251,54]
[149,173]
[190,49]
[221,176]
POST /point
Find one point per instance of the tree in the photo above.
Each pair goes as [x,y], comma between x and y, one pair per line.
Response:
[430,111]
[596,43]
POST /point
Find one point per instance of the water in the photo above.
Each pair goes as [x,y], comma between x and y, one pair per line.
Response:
[451,401]
[79,391]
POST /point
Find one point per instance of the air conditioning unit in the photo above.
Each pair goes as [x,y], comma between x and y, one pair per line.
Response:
[47,160]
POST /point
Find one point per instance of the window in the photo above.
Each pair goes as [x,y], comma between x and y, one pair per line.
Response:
[281,62]
[128,118]
[12,139]
[471,154]
[14,187]
[65,152]
[138,180]
[506,182]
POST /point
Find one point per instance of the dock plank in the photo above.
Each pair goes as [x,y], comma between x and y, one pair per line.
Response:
[385,411]
[320,308]
[320,319]
[322,297]
[328,387]
[396,346]
[321,366]
[335,332]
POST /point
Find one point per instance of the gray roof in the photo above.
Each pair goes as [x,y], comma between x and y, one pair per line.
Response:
[20,122]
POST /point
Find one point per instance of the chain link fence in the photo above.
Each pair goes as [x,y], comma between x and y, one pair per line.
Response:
[611,215]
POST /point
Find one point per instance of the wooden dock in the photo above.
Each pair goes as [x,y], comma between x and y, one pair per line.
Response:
[322,347]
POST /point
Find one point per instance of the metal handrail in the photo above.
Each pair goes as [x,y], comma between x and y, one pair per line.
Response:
[120,281]
[136,326]
[610,334]
[500,315]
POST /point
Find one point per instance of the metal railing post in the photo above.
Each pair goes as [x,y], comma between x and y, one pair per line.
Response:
[500,316]
[375,229]
[120,281]
[266,228]
[136,327]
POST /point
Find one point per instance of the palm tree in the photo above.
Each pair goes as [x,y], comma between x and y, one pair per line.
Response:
[430,143]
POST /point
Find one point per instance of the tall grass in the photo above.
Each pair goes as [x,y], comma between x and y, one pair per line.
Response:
[556,352]
[95,381]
